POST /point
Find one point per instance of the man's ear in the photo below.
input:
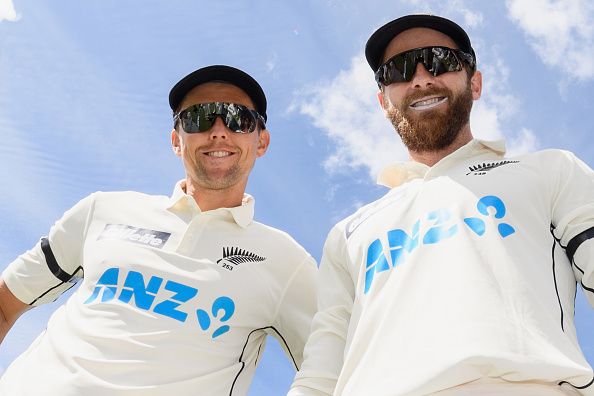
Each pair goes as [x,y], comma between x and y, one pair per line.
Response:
[263,142]
[476,85]
[380,96]
[175,143]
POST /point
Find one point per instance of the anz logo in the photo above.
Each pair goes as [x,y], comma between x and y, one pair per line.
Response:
[144,297]
[399,241]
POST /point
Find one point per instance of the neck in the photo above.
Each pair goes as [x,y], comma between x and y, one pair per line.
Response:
[431,158]
[209,199]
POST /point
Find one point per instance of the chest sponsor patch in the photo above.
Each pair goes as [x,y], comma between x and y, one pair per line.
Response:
[142,236]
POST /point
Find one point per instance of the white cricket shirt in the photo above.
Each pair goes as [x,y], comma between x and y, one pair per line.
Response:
[459,273]
[174,301]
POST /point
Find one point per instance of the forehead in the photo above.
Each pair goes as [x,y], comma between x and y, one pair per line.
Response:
[416,38]
[216,92]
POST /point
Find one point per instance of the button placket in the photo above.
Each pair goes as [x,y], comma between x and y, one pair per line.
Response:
[192,234]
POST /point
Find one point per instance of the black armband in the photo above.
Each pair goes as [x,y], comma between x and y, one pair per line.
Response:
[52,263]
[576,241]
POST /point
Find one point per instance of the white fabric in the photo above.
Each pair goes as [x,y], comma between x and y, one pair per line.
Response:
[498,387]
[464,278]
[174,301]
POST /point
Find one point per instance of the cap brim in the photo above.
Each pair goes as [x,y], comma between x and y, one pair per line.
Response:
[219,73]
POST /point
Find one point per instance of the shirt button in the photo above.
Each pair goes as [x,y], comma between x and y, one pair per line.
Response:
[191,237]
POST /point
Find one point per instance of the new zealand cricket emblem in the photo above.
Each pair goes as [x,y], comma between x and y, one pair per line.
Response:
[233,256]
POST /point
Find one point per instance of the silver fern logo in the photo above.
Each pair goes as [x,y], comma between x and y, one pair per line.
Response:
[233,256]
[482,169]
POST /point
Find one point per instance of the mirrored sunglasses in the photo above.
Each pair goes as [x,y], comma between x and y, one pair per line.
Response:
[201,117]
[437,60]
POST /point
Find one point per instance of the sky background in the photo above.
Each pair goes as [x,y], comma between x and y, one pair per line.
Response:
[84,107]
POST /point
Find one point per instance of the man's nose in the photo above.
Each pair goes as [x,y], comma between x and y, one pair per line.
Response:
[422,78]
[218,129]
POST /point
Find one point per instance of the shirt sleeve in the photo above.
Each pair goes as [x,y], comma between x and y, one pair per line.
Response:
[54,265]
[296,309]
[573,217]
[325,348]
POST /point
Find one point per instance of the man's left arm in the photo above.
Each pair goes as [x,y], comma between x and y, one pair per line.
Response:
[296,310]
[573,218]
[583,268]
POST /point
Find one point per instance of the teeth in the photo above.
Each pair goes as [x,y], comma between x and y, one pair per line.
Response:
[427,102]
[219,153]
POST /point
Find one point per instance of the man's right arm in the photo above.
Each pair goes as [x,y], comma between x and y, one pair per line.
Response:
[38,275]
[10,309]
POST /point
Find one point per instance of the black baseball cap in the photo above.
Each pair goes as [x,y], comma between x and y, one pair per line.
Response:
[224,74]
[377,43]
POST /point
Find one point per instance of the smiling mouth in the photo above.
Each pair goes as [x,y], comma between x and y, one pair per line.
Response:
[428,103]
[219,154]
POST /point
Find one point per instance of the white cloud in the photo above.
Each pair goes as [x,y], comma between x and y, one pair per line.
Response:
[496,103]
[472,18]
[559,31]
[469,18]
[271,63]
[347,110]
[524,142]
[7,11]
[492,114]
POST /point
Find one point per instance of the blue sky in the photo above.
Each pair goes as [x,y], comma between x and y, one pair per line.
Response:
[83,107]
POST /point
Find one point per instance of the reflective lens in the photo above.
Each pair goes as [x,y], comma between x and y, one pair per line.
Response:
[437,60]
[200,117]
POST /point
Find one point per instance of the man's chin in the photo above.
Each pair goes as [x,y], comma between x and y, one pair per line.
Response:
[427,115]
[427,126]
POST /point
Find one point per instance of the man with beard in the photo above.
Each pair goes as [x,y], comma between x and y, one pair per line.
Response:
[178,294]
[461,280]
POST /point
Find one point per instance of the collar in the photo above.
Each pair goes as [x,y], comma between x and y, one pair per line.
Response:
[242,215]
[399,173]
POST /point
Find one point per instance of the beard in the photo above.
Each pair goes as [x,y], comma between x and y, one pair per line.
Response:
[433,130]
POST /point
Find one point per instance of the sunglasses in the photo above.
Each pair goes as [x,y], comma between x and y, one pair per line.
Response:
[437,60]
[200,117]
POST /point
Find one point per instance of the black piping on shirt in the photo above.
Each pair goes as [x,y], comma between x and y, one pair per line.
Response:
[576,241]
[572,247]
[570,250]
[555,281]
[577,387]
[245,345]
[55,268]
[52,263]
